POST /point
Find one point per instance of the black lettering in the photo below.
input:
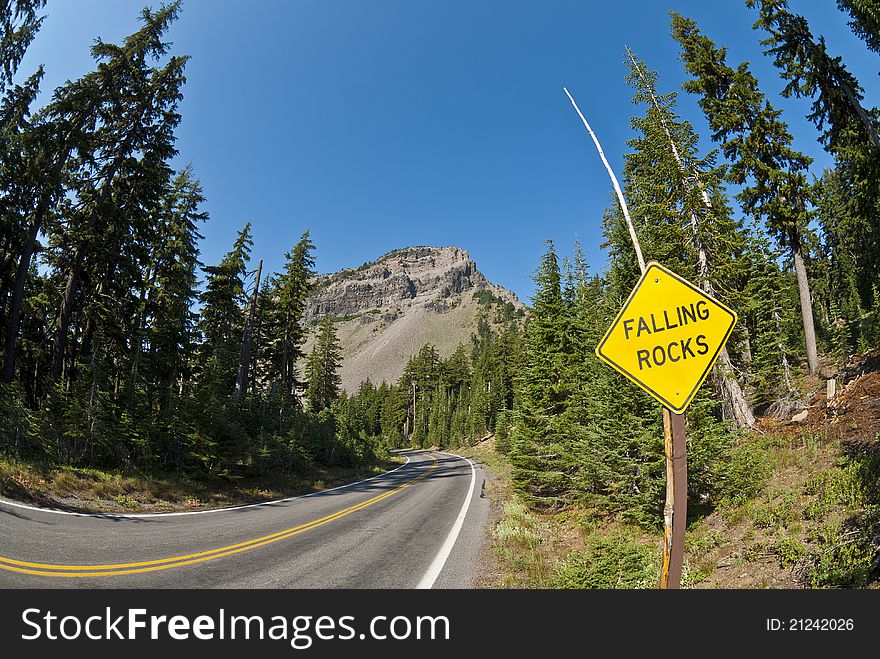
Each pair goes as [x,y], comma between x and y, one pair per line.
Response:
[645,356]
[689,311]
[642,323]
[627,328]
[686,348]
[662,354]
[669,352]
[654,325]
[666,318]
[704,347]
[703,312]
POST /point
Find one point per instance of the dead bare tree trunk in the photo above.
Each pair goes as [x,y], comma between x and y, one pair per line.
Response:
[617,190]
[734,405]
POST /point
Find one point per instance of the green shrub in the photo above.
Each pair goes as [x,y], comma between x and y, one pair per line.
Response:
[848,549]
[618,560]
[503,427]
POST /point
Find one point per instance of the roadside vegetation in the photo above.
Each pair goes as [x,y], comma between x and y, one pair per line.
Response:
[132,373]
[89,489]
[800,508]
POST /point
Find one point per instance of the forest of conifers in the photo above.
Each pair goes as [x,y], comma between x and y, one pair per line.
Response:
[121,349]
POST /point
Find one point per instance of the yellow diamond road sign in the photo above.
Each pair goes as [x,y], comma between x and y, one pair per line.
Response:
[667,336]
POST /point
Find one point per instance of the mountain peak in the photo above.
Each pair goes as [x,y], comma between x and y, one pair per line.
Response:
[402,275]
[386,310]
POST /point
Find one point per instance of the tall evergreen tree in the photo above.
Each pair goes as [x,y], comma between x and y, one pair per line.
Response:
[222,313]
[811,71]
[170,319]
[844,240]
[119,171]
[674,188]
[286,317]
[849,131]
[759,147]
[322,368]
[20,169]
[865,20]
[19,24]
[540,449]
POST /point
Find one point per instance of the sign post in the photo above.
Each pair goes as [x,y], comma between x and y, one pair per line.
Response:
[665,339]
[675,510]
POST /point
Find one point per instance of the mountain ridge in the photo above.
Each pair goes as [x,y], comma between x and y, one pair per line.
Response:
[385,310]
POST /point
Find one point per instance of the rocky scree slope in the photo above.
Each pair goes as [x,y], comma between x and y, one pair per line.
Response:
[386,310]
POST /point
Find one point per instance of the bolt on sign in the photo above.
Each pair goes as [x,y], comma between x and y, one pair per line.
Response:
[667,336]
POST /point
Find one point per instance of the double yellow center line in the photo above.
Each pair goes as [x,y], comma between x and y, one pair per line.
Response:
[117,569]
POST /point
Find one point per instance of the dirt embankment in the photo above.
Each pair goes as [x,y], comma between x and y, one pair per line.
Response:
[852,414]
[93,490]
[813,523]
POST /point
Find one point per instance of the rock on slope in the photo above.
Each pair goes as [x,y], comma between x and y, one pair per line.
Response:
[385,311]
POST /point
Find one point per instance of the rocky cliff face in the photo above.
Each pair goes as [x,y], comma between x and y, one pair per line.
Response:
[388,309]
[401,277]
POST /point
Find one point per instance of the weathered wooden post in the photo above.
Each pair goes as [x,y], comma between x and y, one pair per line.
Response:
[675,510]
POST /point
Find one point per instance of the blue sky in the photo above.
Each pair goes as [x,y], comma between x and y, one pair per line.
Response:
[383,124]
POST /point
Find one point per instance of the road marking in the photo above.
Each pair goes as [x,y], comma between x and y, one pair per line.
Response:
[116,569]
[24,506]
[440,559]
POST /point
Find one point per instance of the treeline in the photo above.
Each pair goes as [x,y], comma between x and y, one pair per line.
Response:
[120,348]
[447,402]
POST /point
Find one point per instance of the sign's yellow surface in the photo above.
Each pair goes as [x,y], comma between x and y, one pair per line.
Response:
[667,336]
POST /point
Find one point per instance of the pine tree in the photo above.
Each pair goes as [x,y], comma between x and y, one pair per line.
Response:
[19,169]
[222,313]
[19,25]
[540,448]
[846,238]
[758,145]
[865,21]
[171,328]
[322,368]
[848,130]
[812,72]
[118,174]
[764,298]
[673,187]
[286,317]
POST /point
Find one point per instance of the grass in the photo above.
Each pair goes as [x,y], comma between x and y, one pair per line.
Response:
[567,548]
[795,510]
[96,490]
[814,521]
[520,541]
[613,558]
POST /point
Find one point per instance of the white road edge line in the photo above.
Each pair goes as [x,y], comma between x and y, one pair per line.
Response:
[15,504]
[439,561]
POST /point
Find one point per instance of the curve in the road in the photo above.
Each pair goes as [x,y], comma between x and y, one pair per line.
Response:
[227,509]
[117,569]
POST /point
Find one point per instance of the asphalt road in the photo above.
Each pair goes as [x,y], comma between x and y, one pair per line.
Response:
[421,525]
